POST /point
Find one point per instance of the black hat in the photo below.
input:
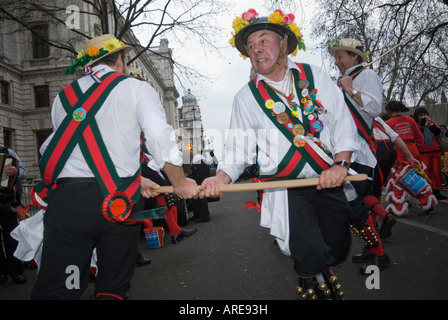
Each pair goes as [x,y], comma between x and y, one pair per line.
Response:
[396,106]
[277,22]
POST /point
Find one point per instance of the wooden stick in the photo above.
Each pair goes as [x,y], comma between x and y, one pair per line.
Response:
[295,183]
[386,53]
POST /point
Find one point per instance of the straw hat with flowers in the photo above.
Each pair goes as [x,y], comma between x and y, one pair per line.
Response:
[96,49]
[351,45]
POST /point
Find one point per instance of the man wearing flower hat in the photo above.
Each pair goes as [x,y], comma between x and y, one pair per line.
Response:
[91,182]
[291,120]
[363,93]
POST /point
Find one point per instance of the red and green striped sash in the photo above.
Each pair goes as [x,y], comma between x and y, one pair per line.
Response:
[120,194]
[296,157]
[364,129]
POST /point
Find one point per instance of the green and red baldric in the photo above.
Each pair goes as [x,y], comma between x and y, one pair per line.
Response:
[79,127]
[298,154]
[364,130]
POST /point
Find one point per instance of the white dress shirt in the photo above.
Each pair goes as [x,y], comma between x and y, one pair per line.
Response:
[369,85]
[250,129]
[380,135]
[132,106]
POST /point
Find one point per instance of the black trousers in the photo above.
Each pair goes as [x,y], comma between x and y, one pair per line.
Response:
[386,155]
[9,265]
[360,212]
[73,226]
[319,229]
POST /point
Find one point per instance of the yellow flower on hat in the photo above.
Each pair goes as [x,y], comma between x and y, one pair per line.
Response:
[297,31]
[112,44]
[80,54]
[276,17]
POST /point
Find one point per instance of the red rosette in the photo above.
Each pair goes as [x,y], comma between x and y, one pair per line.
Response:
[36,200]
[117,207]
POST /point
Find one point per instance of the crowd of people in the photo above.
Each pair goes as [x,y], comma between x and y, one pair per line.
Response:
[314,128]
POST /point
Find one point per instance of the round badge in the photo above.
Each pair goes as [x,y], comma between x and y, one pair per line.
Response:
[290,126]
[117,206]
[282,118]
[299,141]
[79,114]
[317,126]
[304,100]
[298,130]
[279,107]
[303,84]
[304,92]
[269,103]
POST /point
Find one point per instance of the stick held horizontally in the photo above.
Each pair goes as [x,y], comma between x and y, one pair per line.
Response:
[253,186]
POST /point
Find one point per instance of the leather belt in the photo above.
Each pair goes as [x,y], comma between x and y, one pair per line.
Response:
[62,181]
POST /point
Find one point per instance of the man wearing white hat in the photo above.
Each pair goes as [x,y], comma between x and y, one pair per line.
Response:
[91,181]
[291,120]
[363,94]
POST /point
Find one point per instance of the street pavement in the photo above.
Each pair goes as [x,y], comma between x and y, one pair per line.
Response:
[233,258]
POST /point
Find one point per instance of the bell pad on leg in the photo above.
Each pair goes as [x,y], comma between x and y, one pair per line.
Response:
[322,286]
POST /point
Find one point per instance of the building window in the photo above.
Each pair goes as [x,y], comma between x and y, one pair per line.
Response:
[42,96]
[41,136]
[4,92]
[7,138]
[41,49]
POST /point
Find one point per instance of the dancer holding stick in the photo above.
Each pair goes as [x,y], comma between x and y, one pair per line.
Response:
[291,119]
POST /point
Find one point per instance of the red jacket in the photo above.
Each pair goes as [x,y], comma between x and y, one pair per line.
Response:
[407,128]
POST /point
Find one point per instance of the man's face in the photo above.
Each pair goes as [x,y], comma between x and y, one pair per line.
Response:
[344,61]
[263,47]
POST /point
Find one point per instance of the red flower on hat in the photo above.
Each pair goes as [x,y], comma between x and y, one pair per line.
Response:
[289,18]
[249,14]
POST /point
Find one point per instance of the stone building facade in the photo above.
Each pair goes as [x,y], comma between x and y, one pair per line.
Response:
[32,73]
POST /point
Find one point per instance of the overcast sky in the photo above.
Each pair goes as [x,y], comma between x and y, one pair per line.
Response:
[227,76]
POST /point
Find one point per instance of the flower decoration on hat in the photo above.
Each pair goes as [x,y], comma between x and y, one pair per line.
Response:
[352,45]
[277,17]
[94,53]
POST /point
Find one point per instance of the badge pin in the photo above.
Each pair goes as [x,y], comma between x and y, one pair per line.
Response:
[269,103]
[279,107]
[79,114]
[305,92]
[299,141]
[317,126]
[298,130]
[303,84]
[282,118]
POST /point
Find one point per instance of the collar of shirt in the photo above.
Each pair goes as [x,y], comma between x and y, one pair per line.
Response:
[291,65]
[347,72]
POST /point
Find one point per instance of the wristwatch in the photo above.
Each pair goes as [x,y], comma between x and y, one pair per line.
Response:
[354,93]
[342,163]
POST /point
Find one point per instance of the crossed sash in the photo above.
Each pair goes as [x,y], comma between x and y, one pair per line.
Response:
[79,127]
[296,157]
[364,130]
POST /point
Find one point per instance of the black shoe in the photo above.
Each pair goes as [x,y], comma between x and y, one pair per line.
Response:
[361,257]
[386,227]
[438,195]
[18,278]
[430,211]
[375,260]
[141,260]
[184,233]
[203,219]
